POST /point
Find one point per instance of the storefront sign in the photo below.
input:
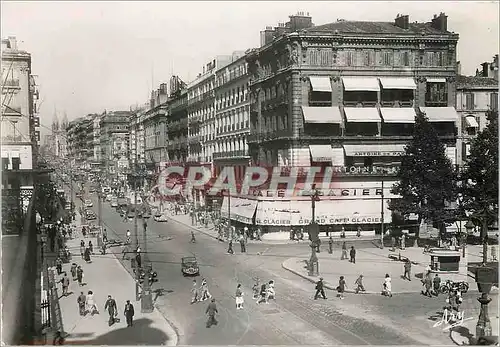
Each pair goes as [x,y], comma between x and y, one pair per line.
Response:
[333,192]
[376,153]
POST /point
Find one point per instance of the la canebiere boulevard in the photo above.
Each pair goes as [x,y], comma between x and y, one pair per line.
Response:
[249,173]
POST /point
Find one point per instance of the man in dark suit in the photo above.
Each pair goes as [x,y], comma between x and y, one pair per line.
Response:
[129,313]
[111,307]
[211,311]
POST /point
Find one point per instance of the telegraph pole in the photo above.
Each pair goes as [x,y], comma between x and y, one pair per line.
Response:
[382,214]
[136,237]
[230,231]
[99,211]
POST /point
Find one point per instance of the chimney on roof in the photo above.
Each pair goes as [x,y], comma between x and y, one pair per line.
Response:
[440,22]
[279,30]
[486,69]
[459,68]
[13,42]
[267,36]
[402,21]
[300,21]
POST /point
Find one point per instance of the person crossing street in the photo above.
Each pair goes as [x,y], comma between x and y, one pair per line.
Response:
[320,289]
[110,305]
[129,313]
[81,300]
[211,311]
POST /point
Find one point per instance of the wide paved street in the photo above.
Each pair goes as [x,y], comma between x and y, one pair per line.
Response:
[294,319]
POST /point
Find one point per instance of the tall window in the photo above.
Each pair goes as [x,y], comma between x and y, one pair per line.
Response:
[349,58]
[436,93]
[369,58]
[387,58]
[405,58]
[313,57]
[469,101]
[325,58]
[494,101]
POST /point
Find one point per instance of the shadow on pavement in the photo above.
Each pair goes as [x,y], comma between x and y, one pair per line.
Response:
[464,332]
[141,333]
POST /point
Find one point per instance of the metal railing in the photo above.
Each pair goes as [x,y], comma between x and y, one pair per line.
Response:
[231,154]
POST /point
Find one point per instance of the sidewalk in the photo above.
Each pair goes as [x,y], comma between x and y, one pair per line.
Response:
[106,276]
[373,264]
[465,334]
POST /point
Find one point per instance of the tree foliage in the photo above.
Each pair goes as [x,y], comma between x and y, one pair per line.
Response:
[480,177]
[426,179]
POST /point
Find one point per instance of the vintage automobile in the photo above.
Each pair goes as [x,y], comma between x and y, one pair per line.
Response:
[190,266]
[160,218]
[88,203]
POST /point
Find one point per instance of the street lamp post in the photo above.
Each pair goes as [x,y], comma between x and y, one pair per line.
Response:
[485,278]
[313,235]
[382,213]
[146,297]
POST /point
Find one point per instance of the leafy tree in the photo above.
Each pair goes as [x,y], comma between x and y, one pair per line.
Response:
[480,176]
[426,179]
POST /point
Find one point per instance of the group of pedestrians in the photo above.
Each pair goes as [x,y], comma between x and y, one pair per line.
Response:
[358,287]
[86,250]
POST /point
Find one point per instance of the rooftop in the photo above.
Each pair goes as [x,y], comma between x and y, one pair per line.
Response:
[364,27]
[467,82]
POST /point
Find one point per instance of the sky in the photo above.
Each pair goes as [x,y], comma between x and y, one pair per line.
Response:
[95,56]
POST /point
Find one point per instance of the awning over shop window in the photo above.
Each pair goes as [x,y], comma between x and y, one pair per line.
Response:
[5,155]
[388,150]
[358,211]
[321,84]
[283,213]
[398,83]
[225,207]
[321,153]
[471,122]
[360,84]
[398,115]
[322,115]
[440,114]
[436,80]
[245,210]
[14,154]
[361,115]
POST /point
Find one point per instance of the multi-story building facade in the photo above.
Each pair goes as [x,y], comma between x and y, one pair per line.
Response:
[232,116]
[80,141]
[114,142]
[20,138]
[136,134]
[344,95]
[475,96]
[201,112]
[155,130]
[177,122]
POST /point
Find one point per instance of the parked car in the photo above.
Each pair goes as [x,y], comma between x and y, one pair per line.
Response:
[88,203]
[90,215]
[190,266]
[161,218]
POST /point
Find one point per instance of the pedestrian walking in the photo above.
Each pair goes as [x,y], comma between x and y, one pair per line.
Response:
[82,249]
[427,282]
[359,285]
[263,294]
[205,294]
[352,254]
[91,305]
[242,244]
[194,291]
[344,251]
[65,284]
[256,288]
[230,247]
[138,260]
[91,247]
[81,300]
[59,265]
[110,305]
[193,238]
[211,311]
[129,313]
[320,289]
[387,286]
[436,282]
[341,287]
[239,297]
[87,255]
[330,245]
[73,271]
[271,294]
[407,270]
[79,275]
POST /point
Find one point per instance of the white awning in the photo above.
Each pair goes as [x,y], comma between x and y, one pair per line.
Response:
[436,80]
[440,114]
[322,115]
[398,83]
[386,150]
[321,84]
[278,212]
[357,211]
[321,153]
[353,84]
[225,207]
[5,155]
[398,115]
[14,154]
[471,122]
[361,115]
[245,210]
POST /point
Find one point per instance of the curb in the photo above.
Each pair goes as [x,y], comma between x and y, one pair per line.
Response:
[192,227]
[328,286]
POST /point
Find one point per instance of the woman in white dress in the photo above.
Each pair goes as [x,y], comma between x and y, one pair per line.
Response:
[388,285]
[205,294]
[239,298]
[91,305]
[271,294]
